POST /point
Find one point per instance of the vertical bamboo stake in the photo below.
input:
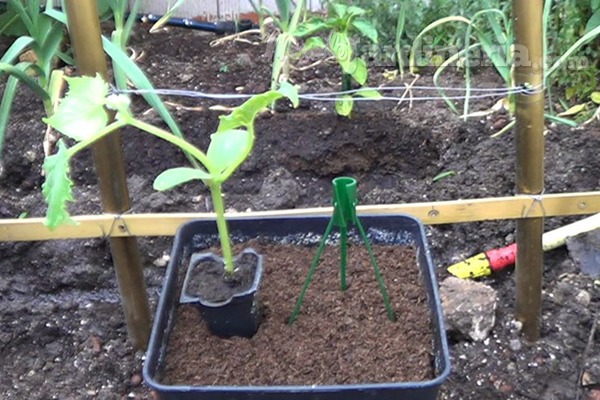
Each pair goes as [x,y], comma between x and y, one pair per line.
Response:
[84,30]
[529,70]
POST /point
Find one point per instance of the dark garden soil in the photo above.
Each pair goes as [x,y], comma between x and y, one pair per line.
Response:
[62,332]
[338,338]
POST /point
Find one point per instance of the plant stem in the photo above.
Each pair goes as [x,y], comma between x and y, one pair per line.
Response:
[106,131]
[217,199]
[346,82]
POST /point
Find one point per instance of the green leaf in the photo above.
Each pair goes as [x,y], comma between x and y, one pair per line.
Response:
[344,106]
[595,97]
[339,9]
[227,150]
[19,71]
[50,46]
[16,49]
[284,9]
[370,94]
[176,176]
[340,46]
[57,15]
[314,42]
[244,115]
[290,91]
[366,28]
[360,72]
[5,107]
[140,81]
[443,175]
[11,25]
[310,27]
[560,120]
[587,37]
[593,22]
[576,109]
[354,11]
[348,66]
[57,188]
[81,113]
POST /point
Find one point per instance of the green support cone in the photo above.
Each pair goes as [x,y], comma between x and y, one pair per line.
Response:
[344,217]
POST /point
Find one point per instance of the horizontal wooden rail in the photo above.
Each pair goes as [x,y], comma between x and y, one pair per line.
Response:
[440,212]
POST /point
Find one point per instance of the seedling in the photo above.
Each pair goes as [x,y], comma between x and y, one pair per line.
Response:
[343,22]
[82,117]
[287,19]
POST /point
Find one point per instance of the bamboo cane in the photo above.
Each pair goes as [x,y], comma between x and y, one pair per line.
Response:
[529,70]
[84,29]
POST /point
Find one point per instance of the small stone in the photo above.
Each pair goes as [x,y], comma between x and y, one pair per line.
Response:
[594,394]
[161,261]
[583,297]
[186,77]
[136,380]
[279,190]
[30,155]
[505,388]
[562,292]
[586,379]
[591,372]
[469,307]
[96,345]
[518,325]
[244,60]
[515,345]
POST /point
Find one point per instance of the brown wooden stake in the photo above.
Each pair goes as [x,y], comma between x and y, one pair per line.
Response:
[529,111]
[84,30]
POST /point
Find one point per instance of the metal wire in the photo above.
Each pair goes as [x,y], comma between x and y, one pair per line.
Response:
[335,96]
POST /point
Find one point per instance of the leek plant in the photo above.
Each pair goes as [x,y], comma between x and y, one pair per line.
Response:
[287,18]
[43,37]
[490,31]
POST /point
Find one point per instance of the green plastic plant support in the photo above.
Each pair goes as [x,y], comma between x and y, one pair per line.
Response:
[344,217]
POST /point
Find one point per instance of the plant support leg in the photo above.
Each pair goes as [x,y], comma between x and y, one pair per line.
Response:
[344,215]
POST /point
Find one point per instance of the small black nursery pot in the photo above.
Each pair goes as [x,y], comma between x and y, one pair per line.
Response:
[229,306]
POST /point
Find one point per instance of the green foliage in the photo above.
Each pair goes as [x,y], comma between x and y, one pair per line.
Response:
[125,69]
[490,30]
[39,34]
[82,116]
[287,19]
[343,23]
[85,104]
[178,176]
[409,17]
[57,188]
[566,22]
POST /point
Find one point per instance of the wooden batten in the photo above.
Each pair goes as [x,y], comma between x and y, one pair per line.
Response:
[441,212]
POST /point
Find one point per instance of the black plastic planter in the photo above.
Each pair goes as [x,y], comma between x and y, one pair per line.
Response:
[389,229]
[236,316]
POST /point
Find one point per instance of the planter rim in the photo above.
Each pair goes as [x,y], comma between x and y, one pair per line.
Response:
[437,380]
[187,299]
